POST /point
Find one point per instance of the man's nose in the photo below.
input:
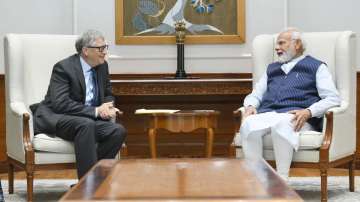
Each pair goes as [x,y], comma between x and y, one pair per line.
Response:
[104,52]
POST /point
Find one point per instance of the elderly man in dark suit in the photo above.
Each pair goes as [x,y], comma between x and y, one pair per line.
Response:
[78,105]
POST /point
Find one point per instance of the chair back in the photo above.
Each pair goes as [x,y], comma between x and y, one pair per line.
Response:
[29,60]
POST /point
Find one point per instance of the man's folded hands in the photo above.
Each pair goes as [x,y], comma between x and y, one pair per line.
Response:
[107,110]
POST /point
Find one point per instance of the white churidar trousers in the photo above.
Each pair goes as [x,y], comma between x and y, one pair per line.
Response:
[284,138]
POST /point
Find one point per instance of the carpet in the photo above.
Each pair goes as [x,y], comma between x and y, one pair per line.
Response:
[44,190]
[338,188]
[307,187]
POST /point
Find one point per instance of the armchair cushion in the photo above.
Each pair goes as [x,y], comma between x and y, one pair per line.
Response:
[51,143]
[53,158]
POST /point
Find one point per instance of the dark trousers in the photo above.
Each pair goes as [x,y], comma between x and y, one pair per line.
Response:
[93,139]
[1,194]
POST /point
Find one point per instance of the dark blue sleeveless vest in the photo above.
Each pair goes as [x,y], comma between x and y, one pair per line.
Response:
[295,90]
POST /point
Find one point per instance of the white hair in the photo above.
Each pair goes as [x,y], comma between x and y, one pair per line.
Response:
[296,34]
[88,38]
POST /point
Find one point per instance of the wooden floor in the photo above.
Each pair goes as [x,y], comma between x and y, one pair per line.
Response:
[71,174]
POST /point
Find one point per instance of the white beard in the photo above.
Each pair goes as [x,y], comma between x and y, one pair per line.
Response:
[288,55]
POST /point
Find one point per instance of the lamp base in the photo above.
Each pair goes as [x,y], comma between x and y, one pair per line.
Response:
[180,74]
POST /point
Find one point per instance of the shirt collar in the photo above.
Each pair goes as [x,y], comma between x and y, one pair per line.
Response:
[84,65]
[286,67]
[297,59]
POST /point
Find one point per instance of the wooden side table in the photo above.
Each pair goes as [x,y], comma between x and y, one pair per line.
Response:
[183,121]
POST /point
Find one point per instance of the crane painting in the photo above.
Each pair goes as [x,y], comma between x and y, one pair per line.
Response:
[156,8]
[153,21]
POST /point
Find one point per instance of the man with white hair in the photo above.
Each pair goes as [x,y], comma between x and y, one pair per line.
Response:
[79,104]
[291,96]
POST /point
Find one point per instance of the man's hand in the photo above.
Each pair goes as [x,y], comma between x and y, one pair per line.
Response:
[250,110]
[300,118]
[107,110]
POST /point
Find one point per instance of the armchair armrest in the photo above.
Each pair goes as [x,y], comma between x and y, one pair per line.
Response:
[238,118]
[123,150]
[340,109]
[18,135]
[340,132]
[328,130]
[19,109]
[237,114]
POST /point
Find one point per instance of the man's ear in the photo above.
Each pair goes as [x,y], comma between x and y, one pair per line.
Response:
[298,45]
[85,51]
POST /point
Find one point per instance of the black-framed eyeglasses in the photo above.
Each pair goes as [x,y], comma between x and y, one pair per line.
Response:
[100,48]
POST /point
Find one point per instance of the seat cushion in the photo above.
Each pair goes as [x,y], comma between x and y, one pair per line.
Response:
[42,157]
[50,143]
[308,140]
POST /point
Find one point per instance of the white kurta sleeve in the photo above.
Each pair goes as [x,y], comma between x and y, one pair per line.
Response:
[327,91]
[255,97]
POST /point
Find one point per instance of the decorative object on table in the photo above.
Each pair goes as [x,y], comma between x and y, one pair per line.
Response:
[153,21]
[180,39]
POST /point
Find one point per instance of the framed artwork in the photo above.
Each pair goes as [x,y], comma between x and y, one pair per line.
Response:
[153,21]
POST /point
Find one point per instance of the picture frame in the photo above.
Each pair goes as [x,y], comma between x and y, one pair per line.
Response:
[132,17]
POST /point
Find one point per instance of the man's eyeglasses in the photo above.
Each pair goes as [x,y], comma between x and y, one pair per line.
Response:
[100,48]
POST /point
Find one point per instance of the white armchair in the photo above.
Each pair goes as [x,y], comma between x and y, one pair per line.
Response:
[335,145]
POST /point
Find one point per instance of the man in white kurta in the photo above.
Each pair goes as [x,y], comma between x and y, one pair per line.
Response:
[291,96]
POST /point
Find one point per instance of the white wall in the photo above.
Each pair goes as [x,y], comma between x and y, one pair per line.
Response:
[262,16]
[326,15]
[35,16]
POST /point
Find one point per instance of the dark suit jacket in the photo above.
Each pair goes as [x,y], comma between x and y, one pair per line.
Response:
[67,93]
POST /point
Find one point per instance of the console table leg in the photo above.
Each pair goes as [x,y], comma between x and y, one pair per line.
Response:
[152,142]
[209,142]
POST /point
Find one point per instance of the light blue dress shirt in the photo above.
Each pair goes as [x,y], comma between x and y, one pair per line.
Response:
[88,82]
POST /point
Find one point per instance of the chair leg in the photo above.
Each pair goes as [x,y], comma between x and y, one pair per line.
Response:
[124,151]
[351,175]
[11,178]
[30,184]
[232,151]
[324,190]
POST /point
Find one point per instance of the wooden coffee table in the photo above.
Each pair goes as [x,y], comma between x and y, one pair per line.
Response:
[181,180]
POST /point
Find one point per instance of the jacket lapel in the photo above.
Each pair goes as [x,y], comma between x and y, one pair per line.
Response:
[100,85]
[79,72]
